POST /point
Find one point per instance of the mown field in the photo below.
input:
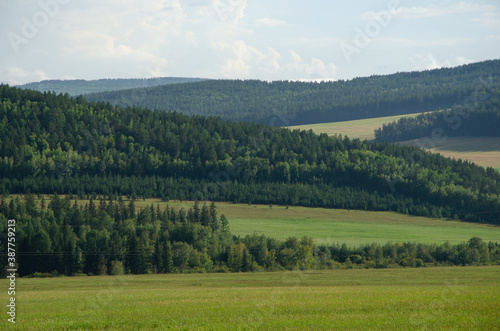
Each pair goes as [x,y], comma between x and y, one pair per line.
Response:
[463,298]
[362,129]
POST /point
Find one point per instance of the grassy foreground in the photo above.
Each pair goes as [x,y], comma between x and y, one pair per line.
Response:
[428,298]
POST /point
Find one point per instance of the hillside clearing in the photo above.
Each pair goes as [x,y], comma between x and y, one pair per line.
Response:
[484,151]
[362,129]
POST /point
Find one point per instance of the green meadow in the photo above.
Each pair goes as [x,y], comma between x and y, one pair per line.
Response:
[329,226]
[385,299]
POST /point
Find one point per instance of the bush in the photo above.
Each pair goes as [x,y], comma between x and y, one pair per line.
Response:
[116,268]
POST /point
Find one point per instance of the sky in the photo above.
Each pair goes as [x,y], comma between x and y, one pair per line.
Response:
[314,40]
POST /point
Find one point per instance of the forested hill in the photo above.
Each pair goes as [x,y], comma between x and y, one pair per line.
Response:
[476,119]
[295,103]
[77,87]
[51,143]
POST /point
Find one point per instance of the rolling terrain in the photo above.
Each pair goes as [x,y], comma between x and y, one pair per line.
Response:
[361,129]
[483,151]
[53,143]
[75,87]
[463,132]
[286,103]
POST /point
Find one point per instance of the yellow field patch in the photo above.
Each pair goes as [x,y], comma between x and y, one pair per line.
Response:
[362,129]
[483,151]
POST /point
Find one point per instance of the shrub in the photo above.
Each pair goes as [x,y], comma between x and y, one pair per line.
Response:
[116,268]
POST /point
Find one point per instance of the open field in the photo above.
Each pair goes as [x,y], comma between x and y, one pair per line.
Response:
[328,226]
[362,129]
[403,299]
[352,227]
[484,151]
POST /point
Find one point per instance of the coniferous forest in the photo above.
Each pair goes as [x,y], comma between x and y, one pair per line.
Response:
[79,86]
[61,237]
[55,144]
[296,103]
[476,120]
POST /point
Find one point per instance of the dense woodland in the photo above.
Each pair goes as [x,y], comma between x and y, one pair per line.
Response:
[79,86]
[477,119]
[51,143]
[292,103]
[113,237]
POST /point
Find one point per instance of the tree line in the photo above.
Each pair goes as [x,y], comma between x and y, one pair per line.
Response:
[293,103]
[61,236]
[76,87]
[477,120]
[52,143]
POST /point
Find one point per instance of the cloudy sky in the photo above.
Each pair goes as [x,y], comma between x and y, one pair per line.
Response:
[258,39]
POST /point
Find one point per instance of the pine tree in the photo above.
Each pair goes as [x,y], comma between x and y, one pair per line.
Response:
[224,224]
[131,209]
[214,221]
[205,216]
[168,264]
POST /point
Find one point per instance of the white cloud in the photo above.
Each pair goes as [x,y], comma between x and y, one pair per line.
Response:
[250,62]
[246,58]
[239,39]
[489,20]
[315,70]
[18,76]
[269,22]
[406,42]
[428,61]
[230,10]
[438,10]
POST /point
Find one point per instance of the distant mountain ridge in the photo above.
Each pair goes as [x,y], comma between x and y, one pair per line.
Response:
[294,103]
[77,87]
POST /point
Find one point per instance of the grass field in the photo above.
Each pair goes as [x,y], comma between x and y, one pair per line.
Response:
[484,151]
[362,129]
[329,226]
[341,226]
[463,298]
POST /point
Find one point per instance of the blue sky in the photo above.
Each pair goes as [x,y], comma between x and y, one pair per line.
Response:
[240,39]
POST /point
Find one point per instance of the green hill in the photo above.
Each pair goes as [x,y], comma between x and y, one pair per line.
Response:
[51,143]
[287,103]
[77,87]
